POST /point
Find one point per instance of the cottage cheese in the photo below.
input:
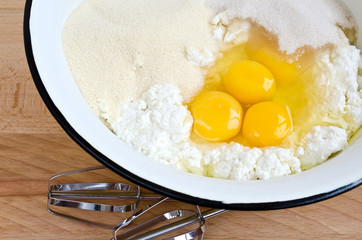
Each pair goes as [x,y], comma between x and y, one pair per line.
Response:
[320,143]
[159,125]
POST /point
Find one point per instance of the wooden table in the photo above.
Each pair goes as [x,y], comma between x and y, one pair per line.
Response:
[33,147]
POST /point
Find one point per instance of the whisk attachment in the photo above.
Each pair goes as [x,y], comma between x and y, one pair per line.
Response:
[64,195]
[57,199]
[195,216]
[125,199]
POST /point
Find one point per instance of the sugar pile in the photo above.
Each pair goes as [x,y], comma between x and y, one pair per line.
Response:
[313,23]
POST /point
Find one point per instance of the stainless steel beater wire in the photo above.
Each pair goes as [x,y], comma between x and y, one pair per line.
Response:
[177,225]
[77,171]
[136,215]
[104,195]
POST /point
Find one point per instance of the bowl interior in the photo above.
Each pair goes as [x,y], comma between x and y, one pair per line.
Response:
[62,96]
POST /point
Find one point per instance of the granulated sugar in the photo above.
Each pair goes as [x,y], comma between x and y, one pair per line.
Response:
[118,49]
[296,23]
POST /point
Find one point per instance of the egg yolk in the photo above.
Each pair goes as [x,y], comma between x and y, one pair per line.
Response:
[217,116]
[283,71]
[249,82]
[263,48]
[266,124]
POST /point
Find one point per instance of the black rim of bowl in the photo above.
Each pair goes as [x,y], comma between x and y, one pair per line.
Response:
[136,179]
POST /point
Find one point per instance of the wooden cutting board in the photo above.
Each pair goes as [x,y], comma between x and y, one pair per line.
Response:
[33,147]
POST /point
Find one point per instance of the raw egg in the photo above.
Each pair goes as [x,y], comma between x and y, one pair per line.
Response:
[283,71]
[266,124]
[217,116]
[263,48]
[249,82]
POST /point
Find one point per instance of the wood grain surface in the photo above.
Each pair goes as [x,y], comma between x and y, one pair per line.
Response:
[33,148]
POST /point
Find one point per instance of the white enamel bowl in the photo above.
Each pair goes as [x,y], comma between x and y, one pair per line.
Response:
[43,23]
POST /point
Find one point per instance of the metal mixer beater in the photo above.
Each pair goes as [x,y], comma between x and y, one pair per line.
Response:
[126,199]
